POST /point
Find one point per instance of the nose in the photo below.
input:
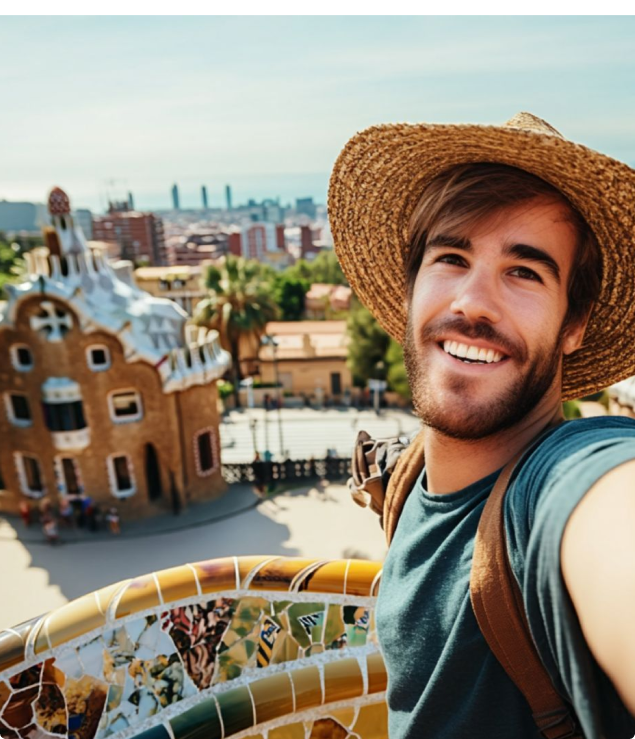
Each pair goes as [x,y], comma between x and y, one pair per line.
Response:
[477,297]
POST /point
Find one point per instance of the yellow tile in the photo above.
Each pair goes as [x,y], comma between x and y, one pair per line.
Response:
[329,578]
[288,731]
[216,575]
[375,591]
[360,577]
[140,593]
[343,716]
[307,688]
[273,697]
[279,574]
[105,595]
[177,583]
[246,566]
[377,678]
[71,620]
[372,721]
[342,680]
[12,644]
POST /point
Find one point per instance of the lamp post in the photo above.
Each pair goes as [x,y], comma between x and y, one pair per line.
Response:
[268,340]
[252,425]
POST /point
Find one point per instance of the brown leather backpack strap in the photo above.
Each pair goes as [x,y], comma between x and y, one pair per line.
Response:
[401,482]
[500,612]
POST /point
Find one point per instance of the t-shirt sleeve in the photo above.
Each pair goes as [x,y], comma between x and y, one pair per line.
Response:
[549,485]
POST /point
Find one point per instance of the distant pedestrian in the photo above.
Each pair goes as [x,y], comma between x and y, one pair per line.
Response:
[113,521]
[66,512]
[25,512]
[49,527]
[258,467]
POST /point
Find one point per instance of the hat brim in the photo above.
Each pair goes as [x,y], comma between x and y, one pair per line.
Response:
[377,181]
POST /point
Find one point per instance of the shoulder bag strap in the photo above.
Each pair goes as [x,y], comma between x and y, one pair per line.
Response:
[500,612]
[401,482]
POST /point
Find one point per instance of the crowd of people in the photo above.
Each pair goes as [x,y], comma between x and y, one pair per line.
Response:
[69,513]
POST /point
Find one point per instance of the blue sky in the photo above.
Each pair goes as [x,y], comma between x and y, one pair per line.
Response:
[266,103]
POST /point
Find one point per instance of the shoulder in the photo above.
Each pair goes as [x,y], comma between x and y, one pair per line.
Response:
[566,463]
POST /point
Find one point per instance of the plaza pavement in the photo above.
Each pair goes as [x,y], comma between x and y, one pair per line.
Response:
[320,522]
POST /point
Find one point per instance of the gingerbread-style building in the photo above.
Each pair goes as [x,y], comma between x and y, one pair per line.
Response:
[106,392]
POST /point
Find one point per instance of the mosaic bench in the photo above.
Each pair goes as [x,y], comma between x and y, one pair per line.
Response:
[243,647]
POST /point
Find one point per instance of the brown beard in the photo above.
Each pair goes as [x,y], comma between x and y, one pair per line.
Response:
[504,411]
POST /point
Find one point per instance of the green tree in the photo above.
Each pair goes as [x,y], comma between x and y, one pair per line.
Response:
[11,264]
[396,375]
[367,347]
[289,294]
[239,305]
[324,268]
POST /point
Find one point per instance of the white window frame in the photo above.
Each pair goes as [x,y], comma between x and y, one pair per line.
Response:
[22,476]
[89,358]
[112,476]
[215,455]
[17,365]
[20,422]
[125,419]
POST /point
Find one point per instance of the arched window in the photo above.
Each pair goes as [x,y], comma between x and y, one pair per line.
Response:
[205,452]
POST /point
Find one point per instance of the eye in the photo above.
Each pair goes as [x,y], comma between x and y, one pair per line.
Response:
[526,274]
[455,259]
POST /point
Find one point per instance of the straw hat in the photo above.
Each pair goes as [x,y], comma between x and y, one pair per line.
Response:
[382,171]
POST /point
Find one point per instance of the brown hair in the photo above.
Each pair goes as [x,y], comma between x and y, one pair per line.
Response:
[463,196]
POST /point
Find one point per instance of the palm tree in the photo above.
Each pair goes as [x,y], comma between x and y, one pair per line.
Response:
[240,304]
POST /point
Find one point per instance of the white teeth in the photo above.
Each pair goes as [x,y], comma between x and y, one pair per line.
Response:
[474,353]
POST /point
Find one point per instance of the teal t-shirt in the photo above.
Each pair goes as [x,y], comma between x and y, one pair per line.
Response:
[443,680]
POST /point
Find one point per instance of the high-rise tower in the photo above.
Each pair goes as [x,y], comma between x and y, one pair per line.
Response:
[228,196]
[175,197]
[204,197]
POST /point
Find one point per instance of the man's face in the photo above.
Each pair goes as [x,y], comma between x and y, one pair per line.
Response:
[485,337]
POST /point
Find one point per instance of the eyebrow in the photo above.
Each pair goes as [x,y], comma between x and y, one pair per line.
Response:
[524,252]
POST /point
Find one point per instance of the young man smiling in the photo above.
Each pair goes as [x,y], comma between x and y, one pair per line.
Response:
[502,257]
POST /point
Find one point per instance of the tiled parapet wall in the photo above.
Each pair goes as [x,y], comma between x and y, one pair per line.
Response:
[266,647]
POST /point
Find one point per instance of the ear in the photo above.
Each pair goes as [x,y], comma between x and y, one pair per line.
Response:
[574,334]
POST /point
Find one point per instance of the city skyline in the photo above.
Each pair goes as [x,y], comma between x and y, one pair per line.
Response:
[265,104]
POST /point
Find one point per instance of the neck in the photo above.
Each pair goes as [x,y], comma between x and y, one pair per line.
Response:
[453,464]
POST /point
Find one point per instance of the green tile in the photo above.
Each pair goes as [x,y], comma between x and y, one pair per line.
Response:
[199,722]
[236,709]
[156,732]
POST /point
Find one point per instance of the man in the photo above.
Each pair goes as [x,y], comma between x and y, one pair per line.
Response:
[503,259]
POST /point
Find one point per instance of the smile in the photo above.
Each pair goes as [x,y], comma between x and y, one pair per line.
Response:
[472,354]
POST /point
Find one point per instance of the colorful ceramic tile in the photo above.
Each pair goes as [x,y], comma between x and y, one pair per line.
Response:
[279,573]
[372,721]
[236,710]
[199,722]
[5,692]
[327,728]
[307,688]
[246,567]
[344,716]
[18,712]
[335,630]
[85,700]
[72,620]
[357,621]
[197,631]
[288,731]
[140,593]
[342,680]
[286,649]
[329,578]
[67,660]
[51,673]
[91,655]
[360,577]
[269,632]
[307,623]
[216,575]
[177,583]
[31,676]
[50,710]
[156,732]
[273,697]
[377,678]
[12,644]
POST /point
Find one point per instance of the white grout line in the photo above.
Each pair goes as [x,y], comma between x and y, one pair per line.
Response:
[220,718]
[348,566]
[253,704]
[160,594]
[199,590]
[237,572]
